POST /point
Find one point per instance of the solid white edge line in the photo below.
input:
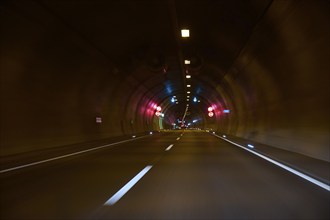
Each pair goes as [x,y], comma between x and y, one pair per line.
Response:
[118,195]
[169,147]
[304,176]
[67,155]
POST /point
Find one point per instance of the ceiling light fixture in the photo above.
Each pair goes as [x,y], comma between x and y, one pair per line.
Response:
[185,33]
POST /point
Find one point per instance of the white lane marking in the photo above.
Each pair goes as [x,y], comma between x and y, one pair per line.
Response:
[127,186]
[169,147]
[67,155]
[296,172]
[178,138]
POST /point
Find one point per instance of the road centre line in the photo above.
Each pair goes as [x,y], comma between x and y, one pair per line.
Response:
[291,170]
[68,155]
[118,195]
[169,147]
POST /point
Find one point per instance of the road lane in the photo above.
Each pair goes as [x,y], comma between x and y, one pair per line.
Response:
[205,178]
[198,177]
[71,187]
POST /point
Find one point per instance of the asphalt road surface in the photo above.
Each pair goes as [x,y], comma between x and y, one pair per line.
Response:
[173,175]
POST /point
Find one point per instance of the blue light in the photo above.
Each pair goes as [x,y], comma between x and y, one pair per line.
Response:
[195,99]
[172,100]
[226,111]
[194,121]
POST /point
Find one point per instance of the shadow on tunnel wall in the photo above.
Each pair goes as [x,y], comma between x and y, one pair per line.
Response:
[278,87]
[55,85]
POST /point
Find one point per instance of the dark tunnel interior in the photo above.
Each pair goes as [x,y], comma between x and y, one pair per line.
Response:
[164,109]
[76,71]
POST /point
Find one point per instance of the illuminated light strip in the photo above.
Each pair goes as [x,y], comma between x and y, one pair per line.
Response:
[178,138]
[169,147]
[127,186]
[67,155]
[304,176]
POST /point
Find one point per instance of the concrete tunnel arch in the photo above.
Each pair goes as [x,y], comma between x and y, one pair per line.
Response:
[55,81]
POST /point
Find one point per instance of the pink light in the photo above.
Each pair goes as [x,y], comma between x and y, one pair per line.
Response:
[154,106]
[157,113]
[159,108]
[210,109]
[211,114]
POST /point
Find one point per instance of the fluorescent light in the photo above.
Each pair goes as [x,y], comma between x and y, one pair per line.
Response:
[186,61]
[188,76]
[250,146]
[226,111]
[188,85]
[188,96]
[188,92]
[184,33]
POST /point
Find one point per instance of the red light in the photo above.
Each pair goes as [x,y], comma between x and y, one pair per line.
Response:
[211,114]
[210,109]
[157,113]
[159,108]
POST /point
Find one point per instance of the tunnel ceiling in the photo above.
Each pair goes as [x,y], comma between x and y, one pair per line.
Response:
[67,64]
[142,40]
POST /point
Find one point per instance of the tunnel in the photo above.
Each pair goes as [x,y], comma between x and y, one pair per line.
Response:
[77,75]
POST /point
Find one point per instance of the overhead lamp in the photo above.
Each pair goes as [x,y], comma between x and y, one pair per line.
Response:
[188,92]
[185,33]
[186,61]
[188,85]
[188,76]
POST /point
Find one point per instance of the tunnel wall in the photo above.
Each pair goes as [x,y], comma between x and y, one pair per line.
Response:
[54,83]
[279,84]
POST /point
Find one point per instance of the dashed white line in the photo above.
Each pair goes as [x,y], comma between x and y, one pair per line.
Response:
[169,147]
[118,195]
[67,155]
[296,172]
[178,138]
